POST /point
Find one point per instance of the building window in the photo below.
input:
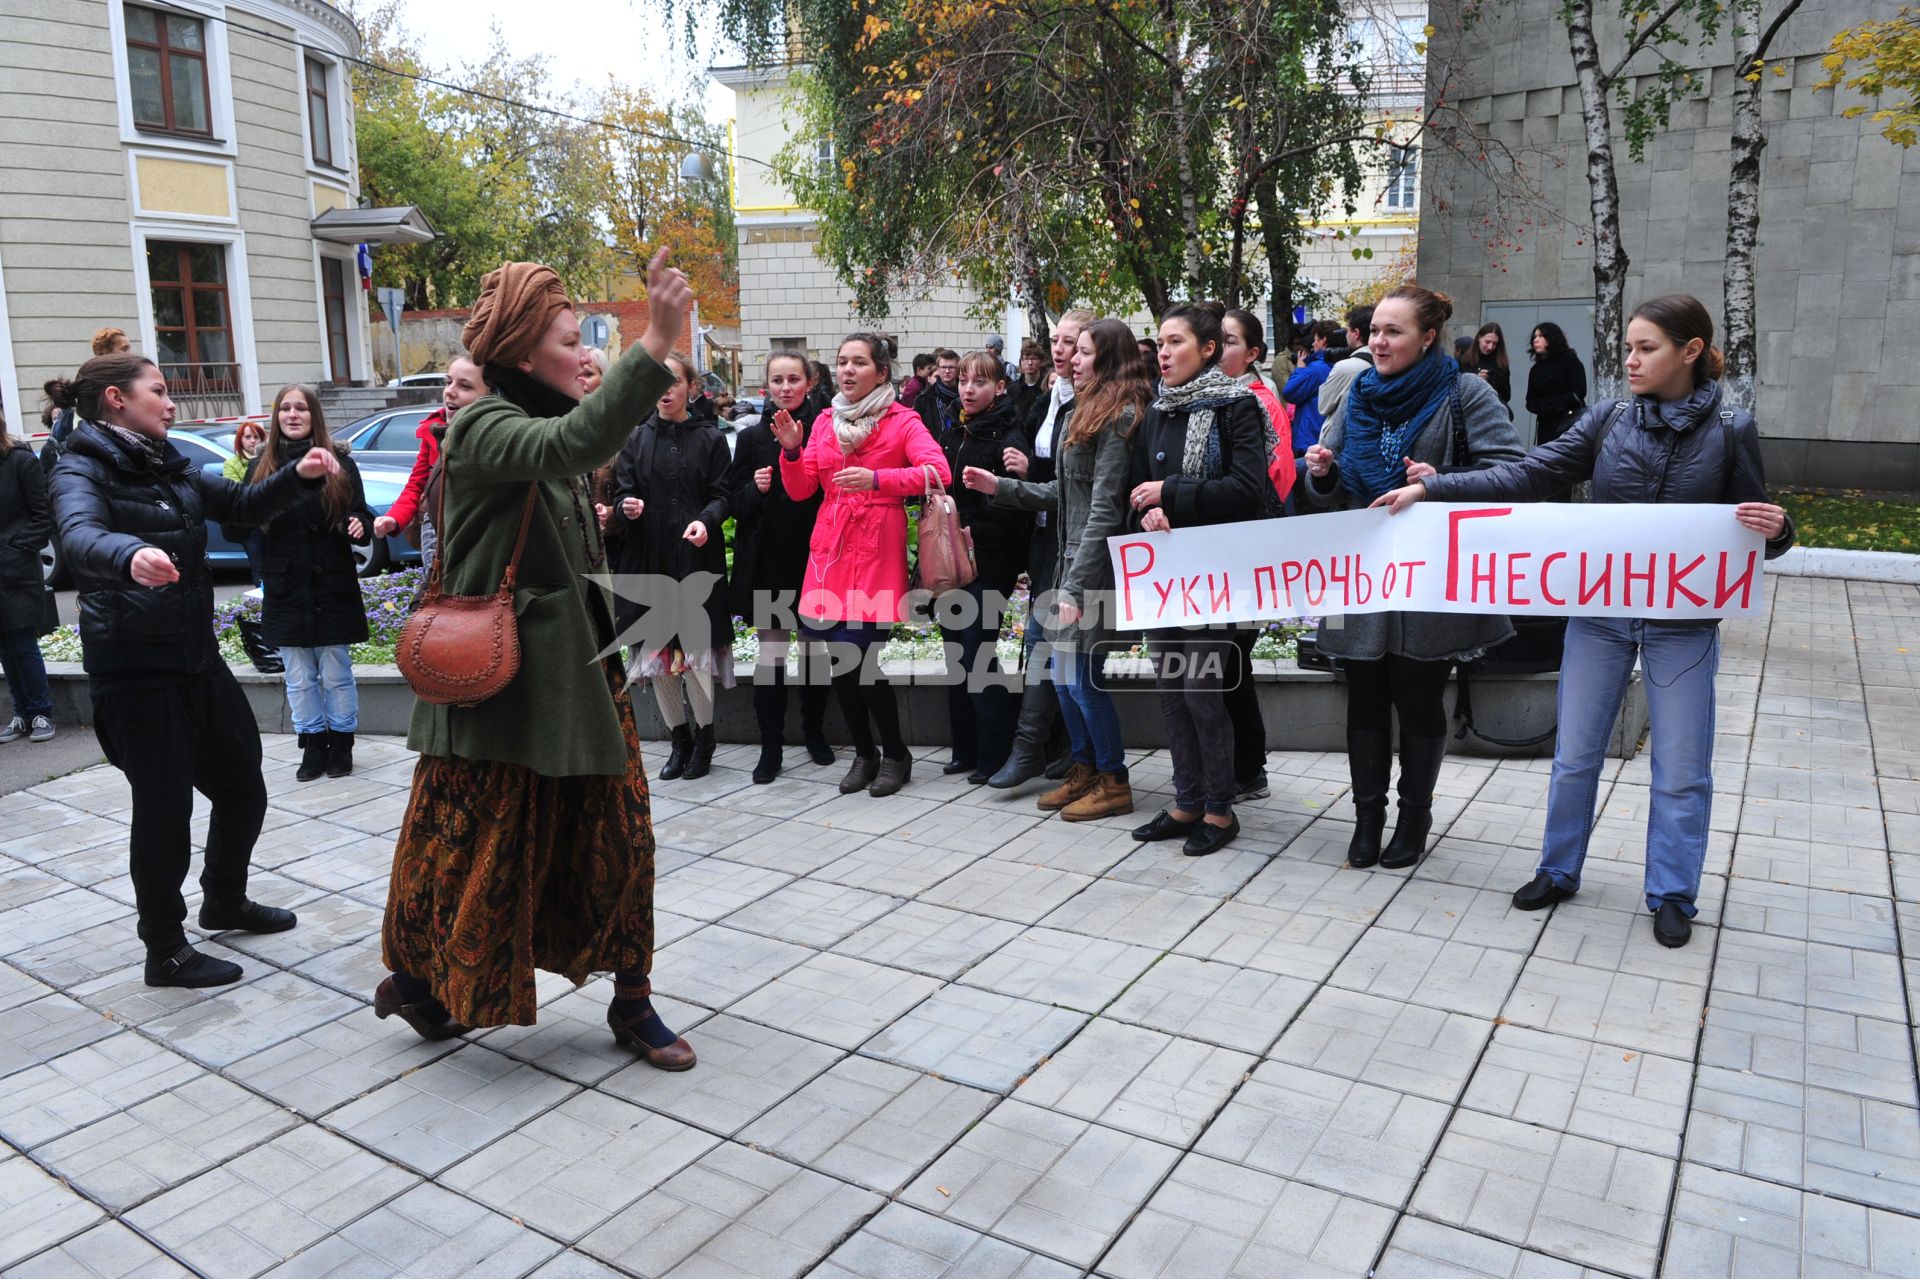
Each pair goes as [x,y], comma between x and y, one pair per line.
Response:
[192,322]
[319,112]
[796,345]
[167,70]
[823,158]
[1403,180]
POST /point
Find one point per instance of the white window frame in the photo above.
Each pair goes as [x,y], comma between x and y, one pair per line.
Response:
[239,292]
[826,157]
[337,118]
[1402,193]
[359,353]
[219,79]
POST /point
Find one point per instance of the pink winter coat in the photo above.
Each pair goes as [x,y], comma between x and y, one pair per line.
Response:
[857,564]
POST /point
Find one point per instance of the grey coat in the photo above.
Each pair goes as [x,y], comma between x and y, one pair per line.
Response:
[1425,636]
[1088,496]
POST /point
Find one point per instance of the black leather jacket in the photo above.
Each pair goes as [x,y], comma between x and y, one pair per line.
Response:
[1632,455]
[109,501]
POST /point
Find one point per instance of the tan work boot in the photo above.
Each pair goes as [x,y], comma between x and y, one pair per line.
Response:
[1109,797]
[1080,779]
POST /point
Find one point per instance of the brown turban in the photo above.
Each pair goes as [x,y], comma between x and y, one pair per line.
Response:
[517,302]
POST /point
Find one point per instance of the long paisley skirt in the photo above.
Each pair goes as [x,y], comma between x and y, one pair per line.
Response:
[500,871]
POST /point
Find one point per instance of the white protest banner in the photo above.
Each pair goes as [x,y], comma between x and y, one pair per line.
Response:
[1544,559]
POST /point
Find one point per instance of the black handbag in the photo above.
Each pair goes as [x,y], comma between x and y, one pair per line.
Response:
[49,610]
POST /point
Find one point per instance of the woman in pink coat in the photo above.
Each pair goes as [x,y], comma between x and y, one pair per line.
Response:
[873,459]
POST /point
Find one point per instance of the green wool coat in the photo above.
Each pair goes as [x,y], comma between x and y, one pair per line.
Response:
[557,717]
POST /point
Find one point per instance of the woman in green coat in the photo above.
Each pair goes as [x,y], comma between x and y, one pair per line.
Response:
[528,841]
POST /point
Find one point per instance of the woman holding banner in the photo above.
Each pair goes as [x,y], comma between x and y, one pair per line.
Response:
[1413,414]
[1199,458]
[1675,440]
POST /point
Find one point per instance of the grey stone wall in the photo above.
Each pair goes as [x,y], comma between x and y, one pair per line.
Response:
[1838,299]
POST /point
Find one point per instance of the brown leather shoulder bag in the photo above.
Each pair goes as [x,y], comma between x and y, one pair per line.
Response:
[459,650]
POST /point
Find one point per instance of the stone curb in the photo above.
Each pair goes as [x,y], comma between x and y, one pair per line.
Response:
[1865,566]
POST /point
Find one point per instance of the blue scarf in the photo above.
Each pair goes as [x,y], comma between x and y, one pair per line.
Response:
[1384,416]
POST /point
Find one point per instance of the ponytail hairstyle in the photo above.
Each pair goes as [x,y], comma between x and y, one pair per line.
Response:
[1116,382]
[1682,317]
[806,365]
[1203,320]
[685,367]
[880,351]
[1431,309]
[83,391]
[1253,331]
[337,493]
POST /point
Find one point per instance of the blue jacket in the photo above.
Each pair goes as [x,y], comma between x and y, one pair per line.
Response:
[1303,392]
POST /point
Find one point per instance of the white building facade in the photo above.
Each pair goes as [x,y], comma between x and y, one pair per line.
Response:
[170,168]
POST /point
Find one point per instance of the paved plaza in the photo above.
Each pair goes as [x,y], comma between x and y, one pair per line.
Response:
[941,1035]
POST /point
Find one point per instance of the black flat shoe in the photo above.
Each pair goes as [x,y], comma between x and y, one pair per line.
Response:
[1164,826]
[958,766]
[1671,927]
[244,917]
[978,777]
[1540,894]
[188,969]
[1207,839]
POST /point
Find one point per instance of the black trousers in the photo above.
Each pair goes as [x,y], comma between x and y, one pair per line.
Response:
[170,742]
[1191,673]
[1243,706]
[1375,690]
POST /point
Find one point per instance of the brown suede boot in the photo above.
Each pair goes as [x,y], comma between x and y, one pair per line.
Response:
[1110,797]
[1080,779]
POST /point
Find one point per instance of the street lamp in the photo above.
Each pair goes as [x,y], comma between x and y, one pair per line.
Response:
[698,167]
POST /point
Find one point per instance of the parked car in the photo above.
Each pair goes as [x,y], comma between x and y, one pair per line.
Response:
[390,435]
[206,445]
[429,381]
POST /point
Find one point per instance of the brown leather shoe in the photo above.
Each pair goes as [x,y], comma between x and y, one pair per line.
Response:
[676,1056]
[1109,797]
[893,774]
[386,1002]
[1080,779]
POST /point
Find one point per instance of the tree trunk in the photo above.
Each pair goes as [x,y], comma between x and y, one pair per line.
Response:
[1189,206]
[1278,231]
[1743,196]
[1609,257]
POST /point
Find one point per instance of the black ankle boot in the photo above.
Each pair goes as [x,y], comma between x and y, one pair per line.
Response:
[1420,760]
[1370,764]
[813,722]
[339,753]
[682,752]
[700,762]
[1028,758]
[313,757]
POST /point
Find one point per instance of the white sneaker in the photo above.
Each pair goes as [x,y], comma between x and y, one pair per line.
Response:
[15,730]
[42,729]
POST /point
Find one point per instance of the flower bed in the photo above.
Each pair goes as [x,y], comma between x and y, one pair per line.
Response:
[389,596]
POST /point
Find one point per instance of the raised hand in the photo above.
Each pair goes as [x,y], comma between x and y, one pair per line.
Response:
[787,431]
[668,299]
[318,463]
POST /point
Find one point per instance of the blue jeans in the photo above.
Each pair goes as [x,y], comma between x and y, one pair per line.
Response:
[320,689]
[1093,723]
[1678,663]
[26,673]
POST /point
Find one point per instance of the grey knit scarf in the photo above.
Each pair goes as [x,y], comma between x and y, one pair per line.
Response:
[1201,456]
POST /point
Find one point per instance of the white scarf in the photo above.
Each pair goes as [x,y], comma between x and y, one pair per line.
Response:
[1061,396]
[854,421]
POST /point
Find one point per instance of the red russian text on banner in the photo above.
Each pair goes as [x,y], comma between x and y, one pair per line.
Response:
[1673,563]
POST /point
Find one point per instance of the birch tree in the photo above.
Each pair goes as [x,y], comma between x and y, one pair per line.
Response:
[1601,75]
[1753,31]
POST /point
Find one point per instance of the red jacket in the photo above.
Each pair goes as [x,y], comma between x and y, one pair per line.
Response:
[857,561]
[1280,467]
[407,505]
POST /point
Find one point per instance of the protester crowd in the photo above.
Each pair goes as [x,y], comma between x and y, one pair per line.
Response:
[552,472]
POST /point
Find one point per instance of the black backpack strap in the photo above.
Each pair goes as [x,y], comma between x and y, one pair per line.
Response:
[1726,450]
